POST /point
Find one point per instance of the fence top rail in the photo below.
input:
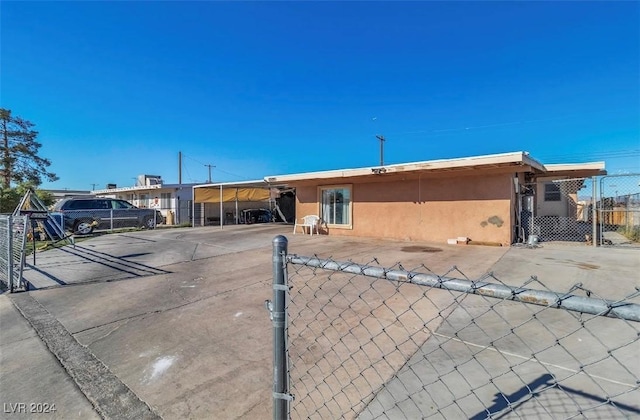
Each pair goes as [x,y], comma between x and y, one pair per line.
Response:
[620,175]
[567,301]
[570,179]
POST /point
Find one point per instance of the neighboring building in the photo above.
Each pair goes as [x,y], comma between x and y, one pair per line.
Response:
[173,200]
[479,197]
[60,194]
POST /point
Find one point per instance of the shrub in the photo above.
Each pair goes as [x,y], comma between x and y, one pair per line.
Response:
[630,232]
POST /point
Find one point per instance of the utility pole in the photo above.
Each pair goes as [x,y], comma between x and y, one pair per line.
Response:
[210,166]
[179,168]
[381,138]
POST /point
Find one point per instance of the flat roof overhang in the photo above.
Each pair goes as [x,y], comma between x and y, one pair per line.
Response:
[574,170]
[517,162]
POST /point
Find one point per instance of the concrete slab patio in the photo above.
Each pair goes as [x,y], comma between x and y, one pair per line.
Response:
[177,316]
[486,349]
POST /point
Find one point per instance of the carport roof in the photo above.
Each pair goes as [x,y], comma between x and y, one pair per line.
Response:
[258,183]
[256,190]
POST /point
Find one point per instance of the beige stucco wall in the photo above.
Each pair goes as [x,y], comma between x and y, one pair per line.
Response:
[425,208]
[566,207]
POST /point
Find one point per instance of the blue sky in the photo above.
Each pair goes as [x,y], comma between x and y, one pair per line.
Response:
[117,89]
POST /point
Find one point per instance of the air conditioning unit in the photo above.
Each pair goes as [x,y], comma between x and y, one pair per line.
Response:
[148,180]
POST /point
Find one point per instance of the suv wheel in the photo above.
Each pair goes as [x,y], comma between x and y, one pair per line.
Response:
[83,227]
[149,223]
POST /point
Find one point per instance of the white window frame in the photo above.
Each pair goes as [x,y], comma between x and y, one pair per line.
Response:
[349,187]
[165,200]
[552,192]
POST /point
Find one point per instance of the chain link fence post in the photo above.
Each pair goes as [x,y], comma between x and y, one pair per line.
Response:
[10,253]
[595,238]
[278,318]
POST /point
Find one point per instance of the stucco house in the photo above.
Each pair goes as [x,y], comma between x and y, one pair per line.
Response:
[479,197]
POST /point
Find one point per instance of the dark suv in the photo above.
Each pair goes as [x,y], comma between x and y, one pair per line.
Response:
[84,214]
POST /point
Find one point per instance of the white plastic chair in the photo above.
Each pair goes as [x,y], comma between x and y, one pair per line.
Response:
[311,221]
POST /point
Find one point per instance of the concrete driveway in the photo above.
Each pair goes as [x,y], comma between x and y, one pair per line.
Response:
[172,323]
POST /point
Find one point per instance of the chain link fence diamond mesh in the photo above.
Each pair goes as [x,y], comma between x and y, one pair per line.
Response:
[372,342]
[559,210]
[13,232]
[619,210]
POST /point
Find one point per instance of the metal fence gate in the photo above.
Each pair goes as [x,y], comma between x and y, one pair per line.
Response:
[13,233]
[369,342]
[599,211]
[619,209]
[183,212]
[560,210]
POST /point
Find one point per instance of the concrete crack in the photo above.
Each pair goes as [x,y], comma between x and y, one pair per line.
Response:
[117,327]
[158,311]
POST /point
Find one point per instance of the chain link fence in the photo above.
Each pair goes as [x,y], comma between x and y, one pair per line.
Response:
[184,212]
[371,342]
[84,222]
[13,232]
[619,209]
[559,210]
[603,209]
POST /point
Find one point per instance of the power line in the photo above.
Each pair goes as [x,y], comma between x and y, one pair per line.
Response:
[217,169]
[445,131]
[613,154]
[188,174]
[232,174]
[195,160]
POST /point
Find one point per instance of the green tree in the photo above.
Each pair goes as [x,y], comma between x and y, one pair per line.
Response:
[10,197]
[19,160]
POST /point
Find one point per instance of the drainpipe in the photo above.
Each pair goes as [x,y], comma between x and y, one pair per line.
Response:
[419,198]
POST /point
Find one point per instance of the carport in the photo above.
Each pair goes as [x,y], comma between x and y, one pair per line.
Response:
[238,202]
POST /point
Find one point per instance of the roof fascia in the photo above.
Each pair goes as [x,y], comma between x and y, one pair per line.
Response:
[517,158]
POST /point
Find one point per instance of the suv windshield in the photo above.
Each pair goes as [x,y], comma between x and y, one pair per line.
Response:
[85,205]
[121,204]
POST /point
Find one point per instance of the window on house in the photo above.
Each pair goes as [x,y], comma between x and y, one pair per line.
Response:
[551,192]
[335,205]
[165,200]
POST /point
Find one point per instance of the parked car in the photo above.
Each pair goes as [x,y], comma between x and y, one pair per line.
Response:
[83,215]
[250,216]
